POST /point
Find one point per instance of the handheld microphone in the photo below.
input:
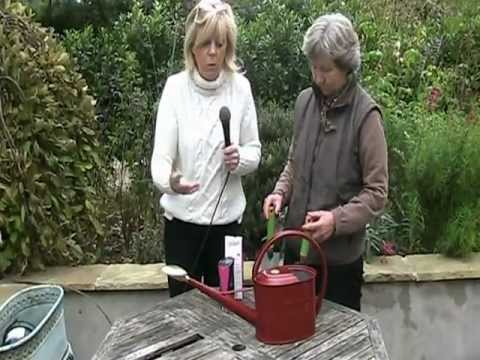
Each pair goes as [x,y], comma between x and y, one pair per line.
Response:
[225,120]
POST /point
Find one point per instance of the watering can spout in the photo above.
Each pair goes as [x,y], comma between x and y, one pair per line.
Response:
[227,300]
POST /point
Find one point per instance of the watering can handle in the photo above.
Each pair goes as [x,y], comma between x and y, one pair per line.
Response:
[300,235]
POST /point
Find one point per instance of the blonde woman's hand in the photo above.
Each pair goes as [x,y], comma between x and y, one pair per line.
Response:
[182,186]
[231,157]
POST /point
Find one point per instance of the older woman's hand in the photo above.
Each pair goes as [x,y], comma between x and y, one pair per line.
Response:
[272,202]
[321,224]
[182,186]
[231,157]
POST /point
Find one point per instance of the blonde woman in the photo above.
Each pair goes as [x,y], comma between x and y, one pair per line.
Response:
[190,161]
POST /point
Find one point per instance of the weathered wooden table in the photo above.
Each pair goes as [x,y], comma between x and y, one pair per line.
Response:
[192,326]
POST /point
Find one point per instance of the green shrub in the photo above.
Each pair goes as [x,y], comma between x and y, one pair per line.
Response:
[434,159]
[458,38]
[65,15]
[126,66]
[461,232]
[51,159]
[408,52]
[276,130]
[156,37]
[270,50]
[134,225]
[113,73]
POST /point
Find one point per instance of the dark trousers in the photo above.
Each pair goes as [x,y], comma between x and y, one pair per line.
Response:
[183,247]
[345,284]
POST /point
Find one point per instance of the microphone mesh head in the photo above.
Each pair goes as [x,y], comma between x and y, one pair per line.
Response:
[224,114]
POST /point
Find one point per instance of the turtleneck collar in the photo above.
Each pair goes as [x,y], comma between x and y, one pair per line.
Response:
[205,85]
[341,98]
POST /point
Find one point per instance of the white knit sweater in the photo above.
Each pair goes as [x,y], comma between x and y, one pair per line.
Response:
[189,138]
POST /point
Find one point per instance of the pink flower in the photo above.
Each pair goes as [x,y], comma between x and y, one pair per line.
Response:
[434,98]
[389,248]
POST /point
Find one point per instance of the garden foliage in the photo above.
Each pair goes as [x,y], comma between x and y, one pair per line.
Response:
[50,159]
[421,62]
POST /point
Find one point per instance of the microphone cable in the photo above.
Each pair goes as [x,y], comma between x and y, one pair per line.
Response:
[205,237]
[224,116]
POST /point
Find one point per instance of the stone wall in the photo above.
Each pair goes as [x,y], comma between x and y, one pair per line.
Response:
[428,306]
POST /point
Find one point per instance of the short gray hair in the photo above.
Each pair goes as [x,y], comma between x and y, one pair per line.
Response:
[333,35]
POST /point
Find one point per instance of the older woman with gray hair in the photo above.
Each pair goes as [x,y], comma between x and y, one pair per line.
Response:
[335,180]
[199,173]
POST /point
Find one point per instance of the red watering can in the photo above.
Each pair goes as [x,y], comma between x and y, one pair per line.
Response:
[285,302]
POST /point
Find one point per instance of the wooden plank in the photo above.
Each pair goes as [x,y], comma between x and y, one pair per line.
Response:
[330,324]
[327,349]
[225,327]
[192,326]
[208,350]
[377,340]
[207,320]
[354,344]
[138,340]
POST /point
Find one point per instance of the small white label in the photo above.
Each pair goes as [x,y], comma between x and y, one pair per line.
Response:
[233,248]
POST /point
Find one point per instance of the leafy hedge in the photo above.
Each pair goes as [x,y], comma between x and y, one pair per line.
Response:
[441,168]
[73,14]
[275,128]
[421,63]
[49,153]
[126,66]
[408,54]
